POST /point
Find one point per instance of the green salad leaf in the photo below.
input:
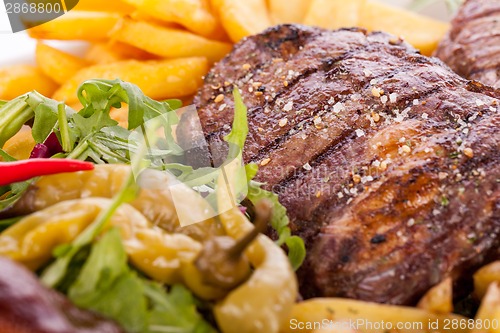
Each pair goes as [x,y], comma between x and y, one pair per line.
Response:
[239,131]
[93,270]
[94,127]
[108,286]
[45,120]
[15,113]
[55,273]
[174,311]
[90,134]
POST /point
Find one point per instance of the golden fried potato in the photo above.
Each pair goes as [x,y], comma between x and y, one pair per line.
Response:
[56,64]
[485,276]
[195,15]
[142,16]
[79,25]
[113,51]
[242,18]
[168,42]
[288,11]
[158,79]
[20,145]
[114,6]
[334,14]
[329,310]
[19,79]
[488,316]
[422,32]
[439,299]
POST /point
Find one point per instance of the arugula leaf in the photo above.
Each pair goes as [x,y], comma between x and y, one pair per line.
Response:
[239,131]
[104,94]
[107,255]
[97,97]
[175,311]
[54,274]
[45,120]
[108,286]
[14,114]
[87,126]
[67,137]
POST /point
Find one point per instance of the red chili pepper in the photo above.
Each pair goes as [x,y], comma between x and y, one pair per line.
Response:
[13,172]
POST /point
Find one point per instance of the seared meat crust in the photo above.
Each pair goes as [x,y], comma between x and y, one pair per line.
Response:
[472,47]
[387,161]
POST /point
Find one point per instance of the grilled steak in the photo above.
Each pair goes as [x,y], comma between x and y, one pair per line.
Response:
[472,47]
[387,161]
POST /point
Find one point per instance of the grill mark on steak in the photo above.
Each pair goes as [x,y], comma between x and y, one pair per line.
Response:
[424,202]
[270,174]
[335,145]
[327,65]
[367,86]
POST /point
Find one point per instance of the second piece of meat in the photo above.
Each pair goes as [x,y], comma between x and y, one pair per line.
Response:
[472,47]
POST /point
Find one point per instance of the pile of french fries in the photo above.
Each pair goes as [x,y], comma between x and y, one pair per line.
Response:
[166,46]
[434,312]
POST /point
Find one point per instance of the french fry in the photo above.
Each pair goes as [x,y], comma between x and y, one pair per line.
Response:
[195,15]
[79,25]
[105,53]
[323,310]
[157,79]
[422,32]
[141,16]
[488,316]
[56,64]
[439,299]
[242,18]
[334,14]
[114,6]
[19,79]
[168,42]
[485,276]
[289,11]
[21,144]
